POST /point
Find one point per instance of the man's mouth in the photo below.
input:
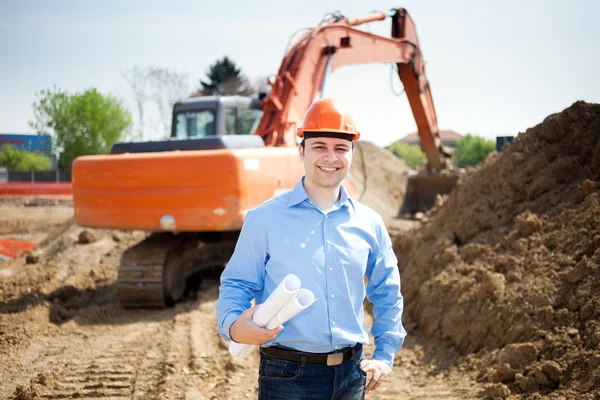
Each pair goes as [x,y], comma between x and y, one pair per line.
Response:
[328,169]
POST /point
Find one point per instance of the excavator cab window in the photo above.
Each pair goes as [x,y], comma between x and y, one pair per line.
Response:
[249,120]
[195,124]
[241,121]
[231,121]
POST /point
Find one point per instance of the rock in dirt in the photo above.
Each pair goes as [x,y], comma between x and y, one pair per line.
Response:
[22,393]
[87,236]
[496,391]
[32,258]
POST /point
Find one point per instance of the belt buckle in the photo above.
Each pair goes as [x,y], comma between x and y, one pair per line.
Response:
[335,359]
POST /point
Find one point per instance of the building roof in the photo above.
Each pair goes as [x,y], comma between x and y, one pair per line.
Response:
[446,136]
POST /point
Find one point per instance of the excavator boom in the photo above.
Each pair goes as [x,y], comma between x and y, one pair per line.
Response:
[328,46]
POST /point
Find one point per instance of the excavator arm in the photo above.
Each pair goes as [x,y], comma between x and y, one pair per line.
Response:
[321,50]
[418,92]
[335,43]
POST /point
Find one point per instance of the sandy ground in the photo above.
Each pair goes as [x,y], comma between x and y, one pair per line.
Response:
[501,282]
[108,353]
[63,334]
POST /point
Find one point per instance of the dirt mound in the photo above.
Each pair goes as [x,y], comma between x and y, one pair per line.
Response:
[385,175]
[509,265]
[64,277]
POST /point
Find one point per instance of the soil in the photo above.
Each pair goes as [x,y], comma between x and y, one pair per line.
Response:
[64,335]
[382,178]
[507,268]
[500,282]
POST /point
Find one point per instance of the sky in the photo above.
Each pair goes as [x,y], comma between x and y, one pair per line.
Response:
[496,68]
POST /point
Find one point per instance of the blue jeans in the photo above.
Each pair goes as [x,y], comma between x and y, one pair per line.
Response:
[290,380]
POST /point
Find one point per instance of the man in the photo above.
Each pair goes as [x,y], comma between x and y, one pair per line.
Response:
[331,242]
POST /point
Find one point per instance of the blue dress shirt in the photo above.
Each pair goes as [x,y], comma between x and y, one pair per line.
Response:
[331,252]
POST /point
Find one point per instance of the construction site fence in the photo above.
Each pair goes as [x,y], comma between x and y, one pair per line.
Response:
[57,175]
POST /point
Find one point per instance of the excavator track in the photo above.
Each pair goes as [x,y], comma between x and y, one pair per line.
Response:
[155,272]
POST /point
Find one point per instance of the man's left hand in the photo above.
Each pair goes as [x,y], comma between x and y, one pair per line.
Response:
[379,371]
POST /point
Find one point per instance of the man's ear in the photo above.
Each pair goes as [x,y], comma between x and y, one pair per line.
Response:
[301,152]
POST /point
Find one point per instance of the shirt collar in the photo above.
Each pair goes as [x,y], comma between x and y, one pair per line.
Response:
[298,195]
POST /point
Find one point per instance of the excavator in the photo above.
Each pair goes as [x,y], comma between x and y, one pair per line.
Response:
[229,154]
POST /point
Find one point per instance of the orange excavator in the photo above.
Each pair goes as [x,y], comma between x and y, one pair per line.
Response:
[229,154]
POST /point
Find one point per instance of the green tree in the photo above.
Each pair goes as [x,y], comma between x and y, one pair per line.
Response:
[81,123]
[21,160]
[471,150]
[411,154]
[225,78]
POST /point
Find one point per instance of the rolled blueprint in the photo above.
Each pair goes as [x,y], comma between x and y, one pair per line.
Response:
[284,303]
[282,293]
[301,299]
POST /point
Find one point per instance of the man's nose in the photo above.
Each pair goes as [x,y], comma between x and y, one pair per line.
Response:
[331,156]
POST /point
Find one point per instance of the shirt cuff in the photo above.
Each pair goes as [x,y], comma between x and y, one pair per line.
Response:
[229,320]
[385,353]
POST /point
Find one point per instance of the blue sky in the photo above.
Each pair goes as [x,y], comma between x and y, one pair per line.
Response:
[496,68]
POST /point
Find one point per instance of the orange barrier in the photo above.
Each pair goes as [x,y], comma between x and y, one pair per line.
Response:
[12,249]
[26,188]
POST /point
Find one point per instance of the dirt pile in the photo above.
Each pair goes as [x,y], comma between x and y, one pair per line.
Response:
[385,175]
[63,277]
[509,266]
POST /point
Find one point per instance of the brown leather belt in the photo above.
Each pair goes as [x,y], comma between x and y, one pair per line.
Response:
[330,359]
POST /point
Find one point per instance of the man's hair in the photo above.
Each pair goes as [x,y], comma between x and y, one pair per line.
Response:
[303,144]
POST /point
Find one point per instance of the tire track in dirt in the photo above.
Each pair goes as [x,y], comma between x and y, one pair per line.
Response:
[123,363]
[120,372]
[216,374]
[175,368]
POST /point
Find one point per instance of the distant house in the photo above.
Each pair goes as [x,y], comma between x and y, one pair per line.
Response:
[449,138]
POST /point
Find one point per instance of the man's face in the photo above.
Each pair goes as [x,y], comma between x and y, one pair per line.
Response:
[326,160]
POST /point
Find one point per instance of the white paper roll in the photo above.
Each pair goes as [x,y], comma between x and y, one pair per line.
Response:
[282,293]
[287,300]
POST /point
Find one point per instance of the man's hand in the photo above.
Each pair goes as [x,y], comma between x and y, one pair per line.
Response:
[379,371]
[244,330]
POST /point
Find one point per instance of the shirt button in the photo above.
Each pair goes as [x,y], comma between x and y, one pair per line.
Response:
[332,296]
[333,322]
[331,268]
[335,347]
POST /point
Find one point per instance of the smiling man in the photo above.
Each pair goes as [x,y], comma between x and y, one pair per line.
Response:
[331,242]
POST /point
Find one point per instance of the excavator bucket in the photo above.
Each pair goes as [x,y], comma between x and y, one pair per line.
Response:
[422,191]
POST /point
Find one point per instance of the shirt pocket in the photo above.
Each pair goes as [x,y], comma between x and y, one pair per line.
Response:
[354,260]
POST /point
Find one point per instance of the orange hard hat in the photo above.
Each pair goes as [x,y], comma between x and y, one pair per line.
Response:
[327,117]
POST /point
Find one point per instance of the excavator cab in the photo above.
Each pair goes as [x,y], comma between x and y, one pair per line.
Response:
[198,117]
[206,123]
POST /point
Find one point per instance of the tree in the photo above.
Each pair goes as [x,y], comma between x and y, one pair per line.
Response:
[225,78]
[155,91]
[411,154]
[136,78]
[21,160]
[81,123]
[471,150]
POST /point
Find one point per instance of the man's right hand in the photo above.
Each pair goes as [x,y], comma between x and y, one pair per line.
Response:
[244,330]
